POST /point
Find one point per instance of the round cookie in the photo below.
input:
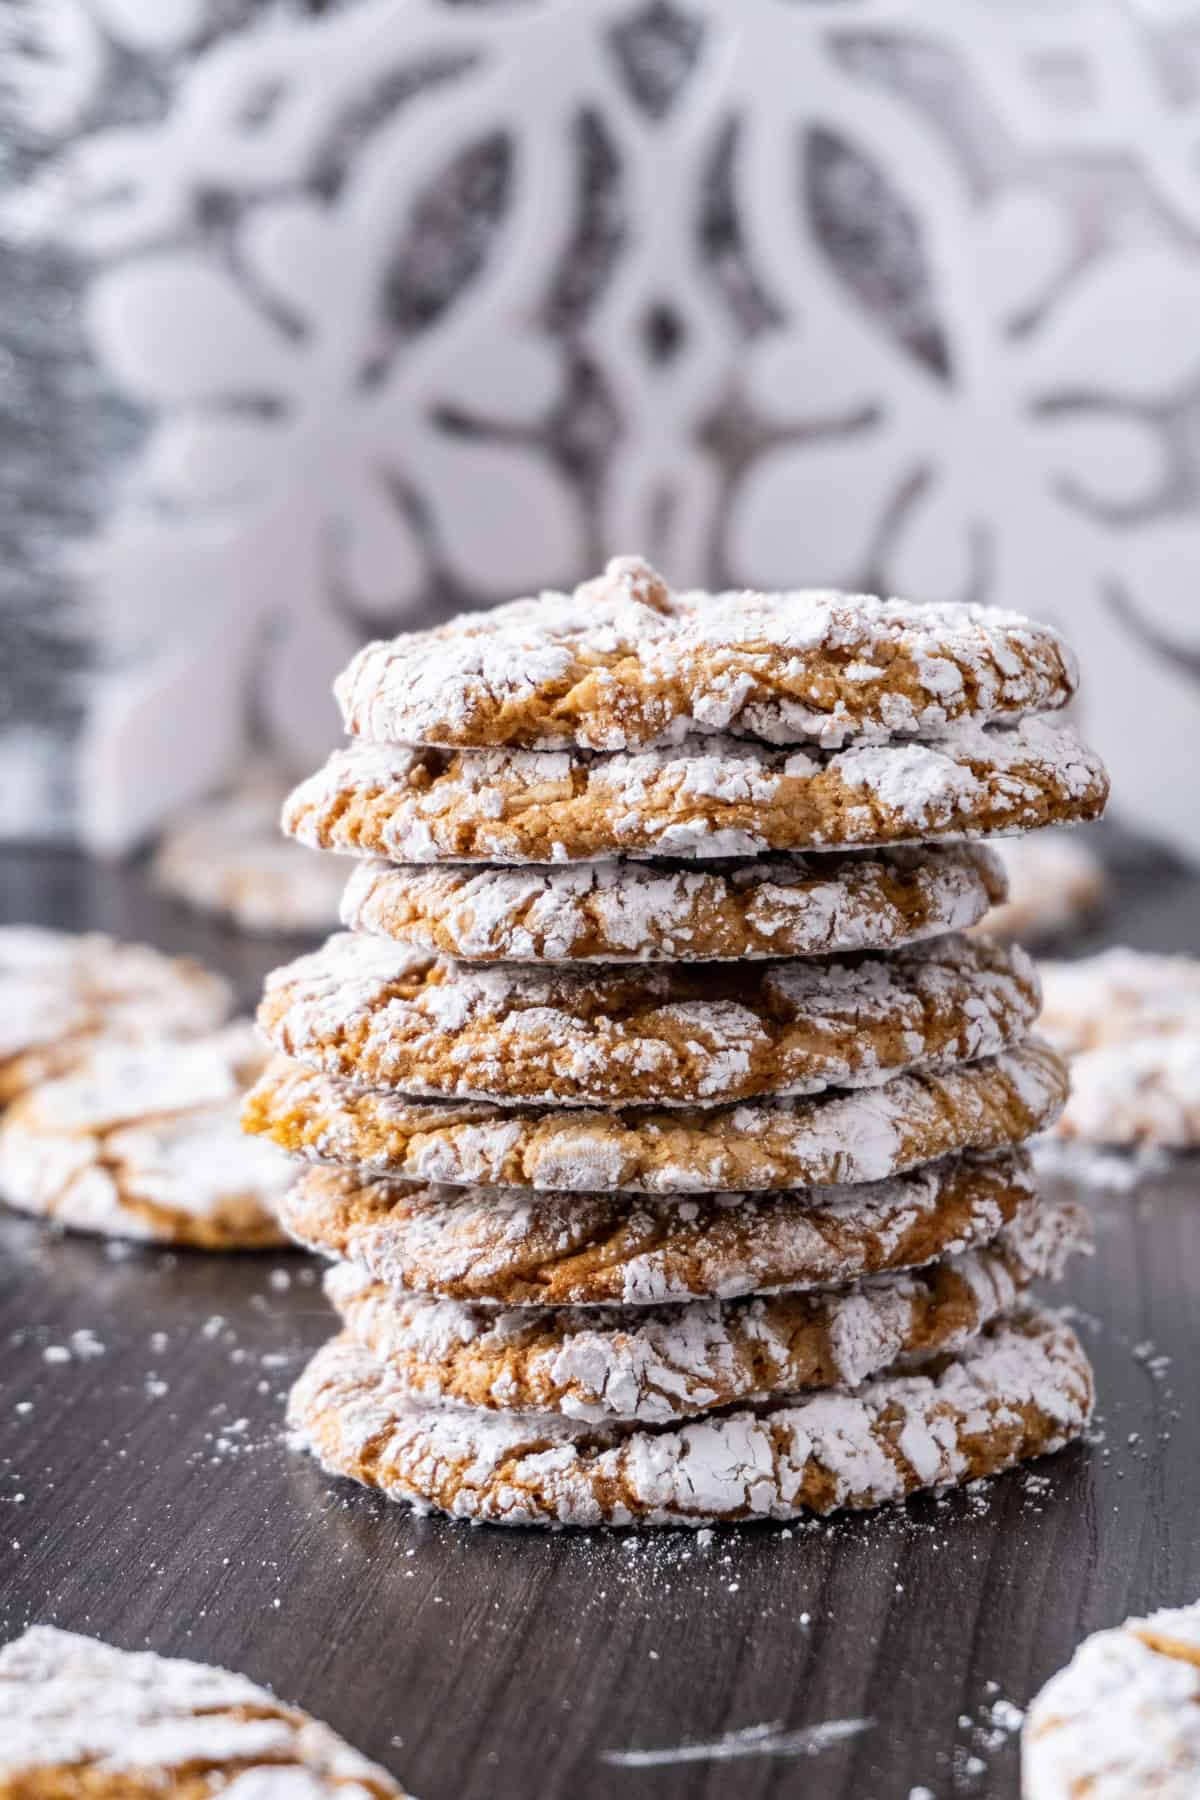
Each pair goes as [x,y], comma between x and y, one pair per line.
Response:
[706,797]
[863,1135]
[515,1249]
[228,856]
[79,1717]
[624,661]
[1022,1388]
[1131,1022]
[1055,883]
[787,905]
[650,1365]
[144,1142]
[1123,1717]
[61,992]
[391,1018]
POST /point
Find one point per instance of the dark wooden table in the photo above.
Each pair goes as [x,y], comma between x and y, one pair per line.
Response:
[147,1496]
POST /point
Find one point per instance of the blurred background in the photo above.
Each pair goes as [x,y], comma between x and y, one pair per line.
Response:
[319,322]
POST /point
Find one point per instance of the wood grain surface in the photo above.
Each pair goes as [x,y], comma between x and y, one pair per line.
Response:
[147,1496]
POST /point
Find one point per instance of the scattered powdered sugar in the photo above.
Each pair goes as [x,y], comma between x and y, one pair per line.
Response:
[772,1739]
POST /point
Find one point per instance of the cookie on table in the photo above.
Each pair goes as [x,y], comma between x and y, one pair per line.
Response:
[1123,1718]
[1130,1022]
[702,798]
[81,1718]
[1023,1387]
[506,1247]
[864,1134]
[144,1141]
[61,992]
[653,1364]
[229,857]
[786,905]
[624,661]
[387,1017]
[1055,883]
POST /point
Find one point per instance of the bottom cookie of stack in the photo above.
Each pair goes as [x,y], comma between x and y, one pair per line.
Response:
[863,1346]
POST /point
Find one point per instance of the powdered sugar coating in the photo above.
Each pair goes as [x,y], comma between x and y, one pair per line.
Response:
[512,1248]
[652,1364]
[1123,1718]
[145,1142]
[83,1711]
[793,905]
[387,1017]
[1022,1388]
[703,798]
[624,661]
[61,992]
[1131,1022]
[863,1135]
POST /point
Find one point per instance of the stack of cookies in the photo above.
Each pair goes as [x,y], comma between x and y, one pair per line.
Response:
[665,1127]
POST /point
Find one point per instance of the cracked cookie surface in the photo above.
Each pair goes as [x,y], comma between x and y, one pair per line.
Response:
[390,1018]
[1022,1388]
[513,1248]
[625,661]
[706,797]
[1122,1720]
[655,1363]
[786,905]
[63,992]
[145,1142]
[82,1720]
[862,1135]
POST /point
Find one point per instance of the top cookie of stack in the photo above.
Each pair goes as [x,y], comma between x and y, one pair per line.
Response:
[627,776]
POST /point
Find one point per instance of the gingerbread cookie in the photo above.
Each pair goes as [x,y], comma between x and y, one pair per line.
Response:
[144,1142]
[1131,1022]
[1055,883]
[652,1364]
[864,1135]
[1023,1387]
[62,992]
[399,1019]
[624,661]
[79,1718]
[706,797]
[793,905]
[228,856]
[1122,1720]
[512,1248]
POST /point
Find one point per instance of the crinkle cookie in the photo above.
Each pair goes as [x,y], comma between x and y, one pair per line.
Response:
[82,1720]
[1122,1720]
[61,992]
[228,856]
[1131,1022]
[706,797]
[624,661]
[512,1248]
[863,1135]
[1055,883]
[1023,1387]
[392,1018]
[652,1364]
[791,905]
[144,1142]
